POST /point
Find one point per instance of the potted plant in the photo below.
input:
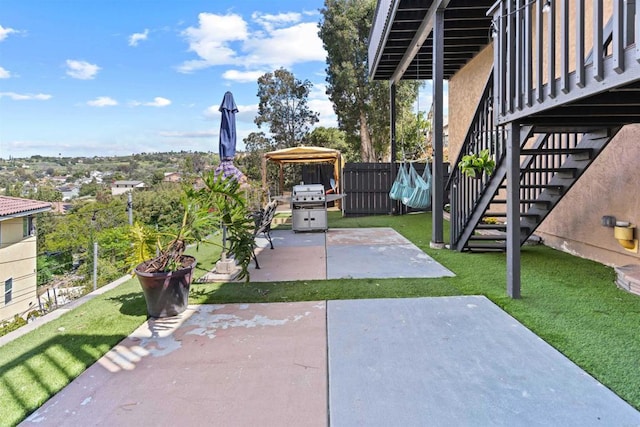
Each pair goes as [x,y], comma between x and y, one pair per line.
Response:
[474,165]
[165,273]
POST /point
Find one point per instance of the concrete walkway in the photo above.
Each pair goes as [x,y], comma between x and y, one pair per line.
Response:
[342,253]
[387,362]
[384,362]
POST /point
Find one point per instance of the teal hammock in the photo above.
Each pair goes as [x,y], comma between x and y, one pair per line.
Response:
[411,188]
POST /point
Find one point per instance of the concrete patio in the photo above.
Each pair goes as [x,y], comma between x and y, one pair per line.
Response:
[382,362]
[341,253]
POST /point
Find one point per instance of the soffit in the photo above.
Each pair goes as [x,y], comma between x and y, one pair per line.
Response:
[466,31]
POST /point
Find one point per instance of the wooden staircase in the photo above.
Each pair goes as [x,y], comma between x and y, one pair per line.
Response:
[550,163]
[562,117]
[549,169]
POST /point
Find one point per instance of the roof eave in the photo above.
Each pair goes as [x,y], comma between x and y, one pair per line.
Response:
[25,213]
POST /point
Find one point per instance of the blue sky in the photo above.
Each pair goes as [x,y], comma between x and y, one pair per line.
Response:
[116,77]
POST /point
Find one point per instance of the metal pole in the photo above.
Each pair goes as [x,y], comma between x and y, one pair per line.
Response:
[95,265]
[130,207]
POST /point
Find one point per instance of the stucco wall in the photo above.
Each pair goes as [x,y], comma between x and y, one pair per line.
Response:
[611,186]
[465,88]
[19,263]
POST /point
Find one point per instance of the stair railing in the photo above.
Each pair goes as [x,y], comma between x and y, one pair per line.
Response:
[483,134]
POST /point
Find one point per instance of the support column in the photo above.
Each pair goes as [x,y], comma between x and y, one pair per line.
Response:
[395,205]
[513,209]
[437,200]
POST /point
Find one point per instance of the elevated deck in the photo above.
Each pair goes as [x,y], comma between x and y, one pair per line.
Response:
[559,83]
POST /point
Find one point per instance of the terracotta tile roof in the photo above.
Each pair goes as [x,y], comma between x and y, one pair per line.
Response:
[10,206]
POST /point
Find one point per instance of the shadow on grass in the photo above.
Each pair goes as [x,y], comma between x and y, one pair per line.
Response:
[131,304]
[46,369]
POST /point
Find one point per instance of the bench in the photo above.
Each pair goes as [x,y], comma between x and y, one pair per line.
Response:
[263,219]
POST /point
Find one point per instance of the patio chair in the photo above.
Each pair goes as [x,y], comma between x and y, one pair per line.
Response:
[263,219]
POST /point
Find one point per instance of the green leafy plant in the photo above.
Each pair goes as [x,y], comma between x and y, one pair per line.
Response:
[474,165]
[220,203]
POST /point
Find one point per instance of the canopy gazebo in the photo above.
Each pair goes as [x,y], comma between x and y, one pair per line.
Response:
[304,155]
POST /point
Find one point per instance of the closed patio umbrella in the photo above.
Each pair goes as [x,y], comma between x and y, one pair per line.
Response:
[227,144]
[227,150]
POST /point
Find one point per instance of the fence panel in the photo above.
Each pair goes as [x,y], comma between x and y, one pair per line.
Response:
[367,187]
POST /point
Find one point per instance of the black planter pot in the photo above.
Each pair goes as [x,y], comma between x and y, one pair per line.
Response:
[166,294]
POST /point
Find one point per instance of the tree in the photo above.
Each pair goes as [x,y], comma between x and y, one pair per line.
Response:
[283,106]
[333,138]
[159,208]
[89,189]
[361,105]
[47,193]
[256,144]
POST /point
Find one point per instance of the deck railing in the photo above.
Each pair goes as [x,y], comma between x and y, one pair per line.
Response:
[540,57]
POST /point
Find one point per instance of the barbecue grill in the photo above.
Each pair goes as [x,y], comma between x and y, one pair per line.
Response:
[308,208]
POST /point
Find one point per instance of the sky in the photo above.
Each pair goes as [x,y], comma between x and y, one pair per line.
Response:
[118,77]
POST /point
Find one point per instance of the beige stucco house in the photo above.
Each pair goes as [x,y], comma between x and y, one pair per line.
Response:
[609,187]
[552,89]
[18,251]
[122,187]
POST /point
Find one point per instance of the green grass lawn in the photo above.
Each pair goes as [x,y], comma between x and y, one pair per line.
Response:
[571,303]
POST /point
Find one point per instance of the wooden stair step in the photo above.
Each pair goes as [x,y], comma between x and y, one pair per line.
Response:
[558,188]
[498,227]
[572,172]
[547,203]
[482,226]
[504,214]
[488,237]
[486,246]
[552,151]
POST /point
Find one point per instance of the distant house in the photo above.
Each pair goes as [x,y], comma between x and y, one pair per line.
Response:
[172,177]
[18,251]
[69,191]
[58,180]
[121,187]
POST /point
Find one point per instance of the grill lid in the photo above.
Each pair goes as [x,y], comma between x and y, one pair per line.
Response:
[308,193]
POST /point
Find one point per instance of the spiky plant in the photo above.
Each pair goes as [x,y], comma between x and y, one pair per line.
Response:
[220,203]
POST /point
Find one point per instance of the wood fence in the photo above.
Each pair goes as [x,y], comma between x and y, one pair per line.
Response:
[367,187]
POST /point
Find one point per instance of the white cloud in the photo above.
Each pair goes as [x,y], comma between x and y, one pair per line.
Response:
[4,32]
[4,73]
[102,101]
[211,38]
[81,69]
[26,96]
[285,46]
[157,102]
[227,40]
[246,113]
[319,103]
[269,21]
[188,134]
[136,38]
[242,76]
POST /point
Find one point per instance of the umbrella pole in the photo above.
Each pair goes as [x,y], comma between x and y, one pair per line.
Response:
[223,257]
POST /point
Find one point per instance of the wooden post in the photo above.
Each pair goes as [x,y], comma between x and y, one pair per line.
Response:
[437,201]
[513,209]
[395,205]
